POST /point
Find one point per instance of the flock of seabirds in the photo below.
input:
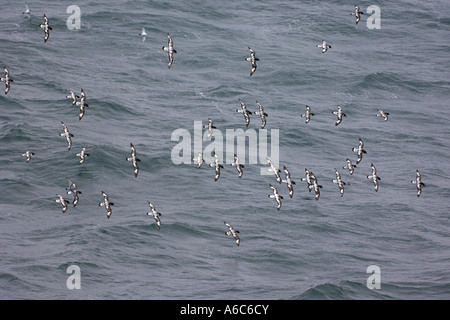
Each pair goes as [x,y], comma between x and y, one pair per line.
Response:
[310,178]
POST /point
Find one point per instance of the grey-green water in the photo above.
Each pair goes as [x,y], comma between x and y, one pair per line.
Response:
[309,249]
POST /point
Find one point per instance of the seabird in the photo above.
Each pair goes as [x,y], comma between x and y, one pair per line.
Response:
[217,166]
[245,112]
[351,167]
[274,170]
[72,189]
[275,196]
[383,114]
[155,214]
[233,233]
[82,104]
[74,97]
[199,159]
[7,80]
[253,60]
[28,154]
[107,204]
[134,160]
[63,202]
[339,115]
[418,182]
[143,34]
[83,94]
[308,179]
[315,185]
[209,126]
[325,46]
[46,28]
[360,150]
[83,154]
[357,13]
[169,49]
[374,177]
[67,135]
[27,11]
[238,166]
[262,114]
[288,181]
[308,114]
[339,182]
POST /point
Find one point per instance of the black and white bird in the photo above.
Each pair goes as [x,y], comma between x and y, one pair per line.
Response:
[83,94]
[82,104]
[27,11]
[63,202]
[155,214]
[339,182]
[73,96]
[374,177]
[274,170]
[289,182]
[199,159]
[308,114]
[245,112]
[169,49]
[359,151]
[143,34]
[210,126]
[232,232]
[107,204]
[67,135]
[383,114]
[308,179]
[73,190]
[315,186]
[28,155]
[46,28]
[276,196]
[357,14]
[325,46]
[262,114]
[217,166]
[134,160]
[350,166]
[339,113]
[418,182]
[7,80]
[239,166]
[83,154]
[253,60]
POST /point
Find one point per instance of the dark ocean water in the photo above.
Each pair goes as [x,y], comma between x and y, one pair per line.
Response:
[309,249]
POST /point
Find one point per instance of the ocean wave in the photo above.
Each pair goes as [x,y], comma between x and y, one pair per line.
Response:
[343,290]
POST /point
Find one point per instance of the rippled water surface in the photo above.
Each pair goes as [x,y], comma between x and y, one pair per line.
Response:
[309,249]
